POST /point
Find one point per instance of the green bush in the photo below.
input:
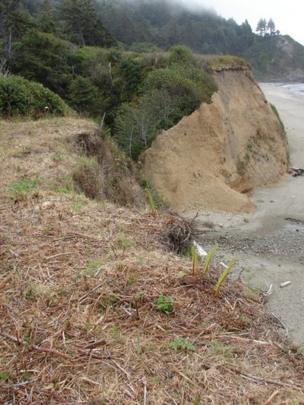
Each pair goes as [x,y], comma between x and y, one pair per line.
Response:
[143,47]
[19,96]
[166,95]
[180,54]
[179,344]
[84,96]
[177,86]
[165,304]
[43,58]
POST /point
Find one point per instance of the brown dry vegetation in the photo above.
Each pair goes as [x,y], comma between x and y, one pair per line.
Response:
[78,284]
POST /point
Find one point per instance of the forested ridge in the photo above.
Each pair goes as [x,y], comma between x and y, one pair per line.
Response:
[138,25]
[159,23]
[130,64]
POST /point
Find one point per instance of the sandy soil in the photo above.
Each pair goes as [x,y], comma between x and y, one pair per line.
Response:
[211,158]
[269,242]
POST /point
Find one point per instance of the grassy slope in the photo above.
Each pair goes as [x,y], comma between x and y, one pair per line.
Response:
[79,280]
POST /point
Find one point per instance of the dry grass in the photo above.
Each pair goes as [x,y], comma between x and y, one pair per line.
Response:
[79,325]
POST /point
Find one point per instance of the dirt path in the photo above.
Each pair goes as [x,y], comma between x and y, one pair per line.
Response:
[270,242]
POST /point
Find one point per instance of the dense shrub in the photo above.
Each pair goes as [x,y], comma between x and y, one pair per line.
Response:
[167,94]
[84,96]
[43,58]
[142,47]
[19,96]
[181,54]
[184,92]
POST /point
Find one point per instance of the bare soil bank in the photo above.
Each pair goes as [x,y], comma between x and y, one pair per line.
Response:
[269,242]
[212,158]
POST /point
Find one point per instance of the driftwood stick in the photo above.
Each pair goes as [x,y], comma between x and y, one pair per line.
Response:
[261,379]
[34,347]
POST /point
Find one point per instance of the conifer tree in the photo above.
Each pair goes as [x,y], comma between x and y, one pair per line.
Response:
[46,18]
[8,10]
[83,24]
[271,27]
[261,27]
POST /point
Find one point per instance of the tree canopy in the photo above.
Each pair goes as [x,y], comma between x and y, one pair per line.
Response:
[265,28]
[82,23]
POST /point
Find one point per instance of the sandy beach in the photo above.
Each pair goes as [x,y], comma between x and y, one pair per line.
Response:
[269,242]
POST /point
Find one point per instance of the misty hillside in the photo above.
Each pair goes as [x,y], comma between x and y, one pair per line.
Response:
[166,23]
[144,26]
[277,58]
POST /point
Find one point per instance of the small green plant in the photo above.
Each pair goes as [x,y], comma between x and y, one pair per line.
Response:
[58,157]
[209,258]
[181,344]
[155,201]
[64,190]
[92,267]
[224,275]
[123,242]
[37,290]
[79,202]
[194,259]
[165,304]
[116,332]
[25,375]
[4,376]
[221,349]
[47,229]
[151,201]
[108,300]
[22,187]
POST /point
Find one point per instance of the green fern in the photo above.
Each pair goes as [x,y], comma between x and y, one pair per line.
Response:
[224,275]
[209,259]
[194,259]
[181,344]
[151,201]
[165,303]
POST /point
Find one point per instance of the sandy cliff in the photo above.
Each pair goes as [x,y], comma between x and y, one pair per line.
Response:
[212,158]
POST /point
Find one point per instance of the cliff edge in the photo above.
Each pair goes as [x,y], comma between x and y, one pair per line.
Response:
[211,159]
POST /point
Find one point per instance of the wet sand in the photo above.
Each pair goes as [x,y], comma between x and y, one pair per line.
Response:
[270,242]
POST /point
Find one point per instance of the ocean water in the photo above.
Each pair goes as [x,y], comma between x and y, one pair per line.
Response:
[297,88]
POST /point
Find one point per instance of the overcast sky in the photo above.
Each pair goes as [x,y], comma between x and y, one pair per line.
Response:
[287,14]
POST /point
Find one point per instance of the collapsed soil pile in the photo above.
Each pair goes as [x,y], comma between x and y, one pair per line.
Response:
[212,158]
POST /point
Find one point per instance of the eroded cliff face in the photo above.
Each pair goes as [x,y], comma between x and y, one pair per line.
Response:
[212,158]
